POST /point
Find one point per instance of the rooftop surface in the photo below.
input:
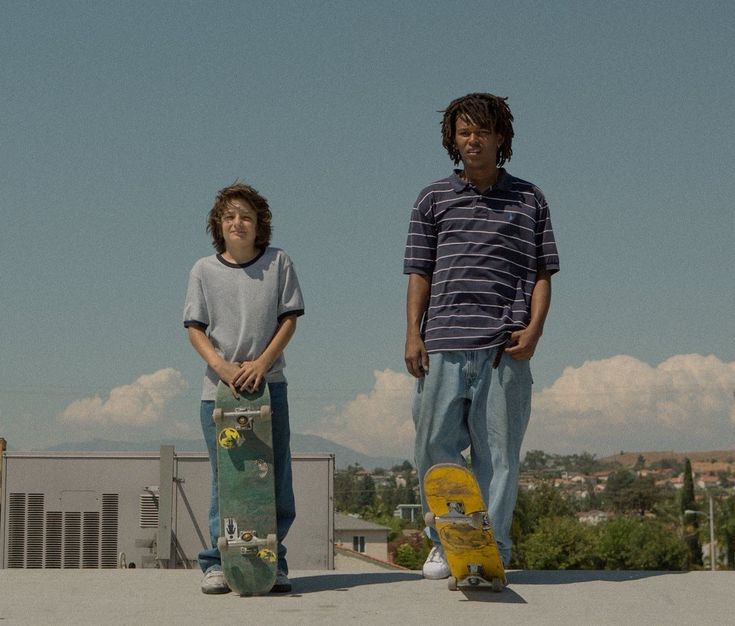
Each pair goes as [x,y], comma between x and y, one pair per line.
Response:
[367,596]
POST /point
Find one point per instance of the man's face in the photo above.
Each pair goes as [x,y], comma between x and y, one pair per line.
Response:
[239,224]
[477,146]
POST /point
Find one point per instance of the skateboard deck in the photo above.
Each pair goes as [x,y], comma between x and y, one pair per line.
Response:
[247,503]
[459,515]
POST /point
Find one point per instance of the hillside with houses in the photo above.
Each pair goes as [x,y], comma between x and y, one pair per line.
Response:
[578,511]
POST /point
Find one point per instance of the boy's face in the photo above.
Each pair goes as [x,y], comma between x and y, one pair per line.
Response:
[239,225]
[477,146]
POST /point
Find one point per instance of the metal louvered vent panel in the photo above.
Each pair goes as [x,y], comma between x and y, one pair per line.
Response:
[61,539]
[110,516]
[16,530]
[148,510]
[90,540]
[34,531]
[72,539]
[54,534]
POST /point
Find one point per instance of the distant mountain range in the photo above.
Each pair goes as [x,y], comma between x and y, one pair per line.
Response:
[304,444]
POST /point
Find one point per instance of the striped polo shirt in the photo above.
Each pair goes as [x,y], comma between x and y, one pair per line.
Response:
[482,251]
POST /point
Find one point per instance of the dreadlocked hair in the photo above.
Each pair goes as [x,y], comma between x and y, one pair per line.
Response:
[484,110]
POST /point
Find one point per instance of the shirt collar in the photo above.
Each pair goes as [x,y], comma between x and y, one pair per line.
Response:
[459,184]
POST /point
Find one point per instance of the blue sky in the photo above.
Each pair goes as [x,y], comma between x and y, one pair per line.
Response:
[122,119]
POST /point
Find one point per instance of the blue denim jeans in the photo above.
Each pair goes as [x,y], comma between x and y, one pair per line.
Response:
[463,402]
[285,506]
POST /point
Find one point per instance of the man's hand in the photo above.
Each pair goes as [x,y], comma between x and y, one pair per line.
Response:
[227,372]
[416,356]
[523,344]
[417,299]
[251,375]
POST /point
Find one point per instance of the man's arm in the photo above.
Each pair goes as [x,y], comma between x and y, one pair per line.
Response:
[417,298]
[523,342]
[251,374]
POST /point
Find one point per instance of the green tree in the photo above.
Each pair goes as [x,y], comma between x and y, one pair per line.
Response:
[725,528]
[345,491]
[626,492]
[690,522]
[533,506]
[534,461]
[618,483]
[561,543]
[543,501]
[629,543]
[366,493]
[412,556]
[586,463]
[642,495]
[406,556]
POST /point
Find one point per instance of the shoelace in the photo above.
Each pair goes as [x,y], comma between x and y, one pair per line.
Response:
[436,556]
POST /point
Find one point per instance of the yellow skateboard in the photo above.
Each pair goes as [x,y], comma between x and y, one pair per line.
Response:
[459,515]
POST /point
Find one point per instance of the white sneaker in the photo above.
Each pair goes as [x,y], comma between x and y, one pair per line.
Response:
[436,566]
[214,581]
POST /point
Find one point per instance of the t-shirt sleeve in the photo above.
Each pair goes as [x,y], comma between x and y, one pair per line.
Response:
[195,306]
[290,299]
[546,253]
[420,254]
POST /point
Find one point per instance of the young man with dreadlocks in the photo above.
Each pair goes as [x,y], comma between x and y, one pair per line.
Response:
[480,254]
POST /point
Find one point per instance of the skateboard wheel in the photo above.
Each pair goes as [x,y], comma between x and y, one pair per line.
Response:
[217,416]
[222,544]
[265,411]
[228,438]
[271,542]
[498,585]
[267,555]
[477,520]
[430,520]
[452,583]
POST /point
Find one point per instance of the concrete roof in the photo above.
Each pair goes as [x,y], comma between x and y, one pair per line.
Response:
[148,596]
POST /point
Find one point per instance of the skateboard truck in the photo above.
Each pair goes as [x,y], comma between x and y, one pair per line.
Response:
[456,515]
[248,543]
[244,417]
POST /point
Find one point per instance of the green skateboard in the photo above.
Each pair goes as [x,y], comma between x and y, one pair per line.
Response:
[247,503]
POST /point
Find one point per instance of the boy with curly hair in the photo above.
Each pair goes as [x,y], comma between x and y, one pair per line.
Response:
[240,313]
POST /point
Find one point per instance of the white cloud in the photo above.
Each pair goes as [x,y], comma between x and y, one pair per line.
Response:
[379,422]
[141,403]
[622,403]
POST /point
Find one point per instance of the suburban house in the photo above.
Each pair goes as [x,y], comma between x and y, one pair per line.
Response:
[361,536]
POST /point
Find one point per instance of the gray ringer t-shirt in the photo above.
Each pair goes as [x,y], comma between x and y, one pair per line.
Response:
[240,307]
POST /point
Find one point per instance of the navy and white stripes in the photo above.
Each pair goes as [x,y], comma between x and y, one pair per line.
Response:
[482,251]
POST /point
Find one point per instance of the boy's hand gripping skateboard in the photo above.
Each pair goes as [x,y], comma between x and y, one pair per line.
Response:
[247,507]
[459,515]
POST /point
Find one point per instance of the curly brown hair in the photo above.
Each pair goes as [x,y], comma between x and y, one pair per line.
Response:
[245,193]
[485,110]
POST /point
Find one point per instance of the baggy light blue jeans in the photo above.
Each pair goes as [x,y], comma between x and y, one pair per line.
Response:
[285,505]
[463,402]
